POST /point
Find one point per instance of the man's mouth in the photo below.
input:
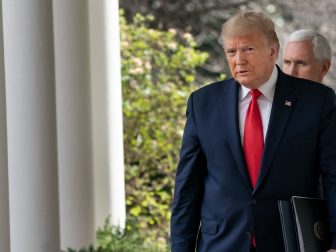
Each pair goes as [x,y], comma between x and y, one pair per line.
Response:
[242,71]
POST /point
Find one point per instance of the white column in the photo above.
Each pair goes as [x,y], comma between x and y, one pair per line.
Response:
[31,125]
[73,123]
[107,112]
[116,145]
[4,206]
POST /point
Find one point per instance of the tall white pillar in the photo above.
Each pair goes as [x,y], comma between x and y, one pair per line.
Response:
[31,125]
[107,112]
[115,122]
[4,206]
[73,123]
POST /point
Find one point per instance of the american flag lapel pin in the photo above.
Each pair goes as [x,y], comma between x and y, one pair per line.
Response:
[288,103]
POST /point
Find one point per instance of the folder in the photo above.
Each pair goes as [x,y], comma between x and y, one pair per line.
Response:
[288,226]
[305,224]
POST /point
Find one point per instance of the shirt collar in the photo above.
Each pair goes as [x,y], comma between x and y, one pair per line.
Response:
[267,89]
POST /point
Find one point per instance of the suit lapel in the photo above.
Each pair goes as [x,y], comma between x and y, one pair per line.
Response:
[229,113]
[282,107]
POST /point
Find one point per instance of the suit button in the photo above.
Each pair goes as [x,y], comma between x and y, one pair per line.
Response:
[253,201]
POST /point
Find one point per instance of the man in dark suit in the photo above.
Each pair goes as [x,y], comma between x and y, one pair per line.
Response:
[250,141]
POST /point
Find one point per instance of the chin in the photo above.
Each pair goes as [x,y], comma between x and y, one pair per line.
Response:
[243,81]
[248,84]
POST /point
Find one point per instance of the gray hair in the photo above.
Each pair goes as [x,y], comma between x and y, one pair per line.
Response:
[322,49]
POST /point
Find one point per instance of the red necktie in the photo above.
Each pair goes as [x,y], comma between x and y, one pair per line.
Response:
[253,141]
[253,138]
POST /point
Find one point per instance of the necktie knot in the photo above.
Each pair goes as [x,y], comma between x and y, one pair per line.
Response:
[255,94]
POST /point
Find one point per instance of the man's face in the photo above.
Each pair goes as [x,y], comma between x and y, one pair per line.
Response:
[251,58]
[299,61]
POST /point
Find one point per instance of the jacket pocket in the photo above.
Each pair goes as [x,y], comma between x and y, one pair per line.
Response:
[208,226]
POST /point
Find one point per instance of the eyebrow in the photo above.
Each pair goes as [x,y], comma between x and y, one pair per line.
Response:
[295,61]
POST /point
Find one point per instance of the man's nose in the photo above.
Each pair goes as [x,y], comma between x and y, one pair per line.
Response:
[292,70]
[240,58]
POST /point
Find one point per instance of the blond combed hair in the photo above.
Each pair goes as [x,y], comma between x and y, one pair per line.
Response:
[248,22]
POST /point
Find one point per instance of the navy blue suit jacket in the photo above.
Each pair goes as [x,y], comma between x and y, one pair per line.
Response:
[214,206]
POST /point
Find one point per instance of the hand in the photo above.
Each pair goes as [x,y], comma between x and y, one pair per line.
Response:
[331,250]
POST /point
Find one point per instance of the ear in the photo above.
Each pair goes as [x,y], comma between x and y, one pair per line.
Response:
[325,66]
[274,51]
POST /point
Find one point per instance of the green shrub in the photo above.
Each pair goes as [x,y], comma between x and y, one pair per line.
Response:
[158,74]
[132,239]
[110,239]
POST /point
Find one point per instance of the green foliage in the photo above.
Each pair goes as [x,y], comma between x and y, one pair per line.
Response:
[111,239]
[157,76]
[132,239]
[90,249]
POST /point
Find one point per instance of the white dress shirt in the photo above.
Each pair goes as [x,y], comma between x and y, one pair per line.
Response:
[265,101]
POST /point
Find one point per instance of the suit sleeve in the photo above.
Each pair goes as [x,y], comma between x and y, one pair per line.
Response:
[189,188]
[327,150]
